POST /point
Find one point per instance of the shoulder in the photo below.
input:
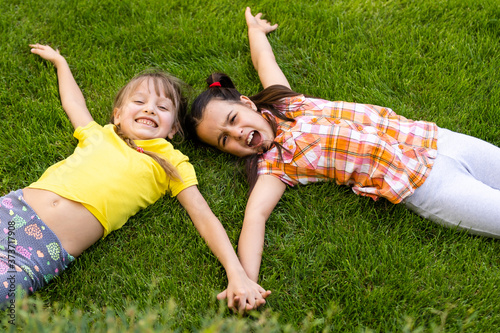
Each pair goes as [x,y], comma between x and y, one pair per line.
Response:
[165,149]
[83,131]
[293,103]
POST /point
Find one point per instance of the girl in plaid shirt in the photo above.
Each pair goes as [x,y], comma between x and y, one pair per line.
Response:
[289,138]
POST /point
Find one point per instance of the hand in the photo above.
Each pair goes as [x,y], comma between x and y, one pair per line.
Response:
[244,299]
[47,53]
[255,22]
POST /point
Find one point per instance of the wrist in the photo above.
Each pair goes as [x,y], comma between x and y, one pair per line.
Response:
[235,271]
[59,61]
[238,274]
[252,30]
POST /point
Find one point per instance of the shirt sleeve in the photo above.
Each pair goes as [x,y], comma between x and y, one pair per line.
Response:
[188,177]
[81,133]
[267,168]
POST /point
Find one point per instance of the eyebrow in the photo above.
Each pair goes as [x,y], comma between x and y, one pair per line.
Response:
[219,138]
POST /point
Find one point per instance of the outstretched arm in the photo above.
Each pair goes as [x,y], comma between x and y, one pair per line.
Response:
[264,197]
[261,52]
[243,294]
[72,99]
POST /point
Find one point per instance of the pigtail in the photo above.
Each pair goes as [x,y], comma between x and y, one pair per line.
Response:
[223,79]
[169,169]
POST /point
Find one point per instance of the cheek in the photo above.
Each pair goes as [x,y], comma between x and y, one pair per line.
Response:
[174,122]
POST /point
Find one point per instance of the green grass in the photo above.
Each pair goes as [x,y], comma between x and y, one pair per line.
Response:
[333,260]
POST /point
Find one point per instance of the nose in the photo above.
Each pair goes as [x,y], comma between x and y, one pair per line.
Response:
[149,108]
[237,133]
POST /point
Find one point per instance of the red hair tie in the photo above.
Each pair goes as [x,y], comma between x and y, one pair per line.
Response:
[215,84]
[140,150]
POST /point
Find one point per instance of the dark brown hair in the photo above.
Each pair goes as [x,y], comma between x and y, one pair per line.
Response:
[269,99]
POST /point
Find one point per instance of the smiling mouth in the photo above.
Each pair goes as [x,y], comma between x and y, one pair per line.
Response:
[147,122]
[254,139]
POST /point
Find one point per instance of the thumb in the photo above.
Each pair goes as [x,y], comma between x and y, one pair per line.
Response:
[248,14]
[222,295]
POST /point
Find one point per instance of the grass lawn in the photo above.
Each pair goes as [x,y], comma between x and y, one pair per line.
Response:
[333,261]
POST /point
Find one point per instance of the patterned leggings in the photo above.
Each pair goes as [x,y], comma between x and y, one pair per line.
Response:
[30,253]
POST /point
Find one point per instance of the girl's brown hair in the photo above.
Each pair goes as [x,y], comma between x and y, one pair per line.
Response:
[171,87]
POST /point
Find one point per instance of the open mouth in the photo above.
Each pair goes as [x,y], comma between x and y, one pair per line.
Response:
[147,122]
[254,139]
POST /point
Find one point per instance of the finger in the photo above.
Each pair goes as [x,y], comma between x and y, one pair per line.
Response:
[36,51]
[251,301]
[34,47]
[222,295]
[40,46]
[261,302]
[230,301]
[236,304]
[265,293]
[242,302]
[258,16]
[250,307]
[248,14]
[37,48]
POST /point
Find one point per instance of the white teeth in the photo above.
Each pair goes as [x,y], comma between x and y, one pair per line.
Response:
[146,122]
[250,137]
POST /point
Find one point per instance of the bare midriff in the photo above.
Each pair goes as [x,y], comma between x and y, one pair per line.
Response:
[71,222]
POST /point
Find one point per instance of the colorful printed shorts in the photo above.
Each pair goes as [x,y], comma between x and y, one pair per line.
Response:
[30,253]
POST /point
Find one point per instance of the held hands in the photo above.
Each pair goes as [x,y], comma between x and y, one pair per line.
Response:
[255,22]
[244,296]
[47,53]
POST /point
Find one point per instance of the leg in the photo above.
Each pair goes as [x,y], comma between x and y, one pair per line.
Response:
[30,253]
[480,158]
[453,197]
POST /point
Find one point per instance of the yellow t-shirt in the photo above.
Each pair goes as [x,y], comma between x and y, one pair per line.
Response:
[112,180]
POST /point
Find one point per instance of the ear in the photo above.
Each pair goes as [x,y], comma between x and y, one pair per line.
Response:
[172,132]
[116,116]
[248,102]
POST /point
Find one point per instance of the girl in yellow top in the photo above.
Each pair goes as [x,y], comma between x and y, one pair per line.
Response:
[115,171]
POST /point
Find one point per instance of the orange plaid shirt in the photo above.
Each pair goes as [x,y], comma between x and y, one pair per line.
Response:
[368,147]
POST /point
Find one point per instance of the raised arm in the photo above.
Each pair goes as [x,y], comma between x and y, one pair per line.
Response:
[261,52]
[264,197]
[243,294]
[72,99]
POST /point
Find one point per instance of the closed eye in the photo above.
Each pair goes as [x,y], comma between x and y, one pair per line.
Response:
[222,138]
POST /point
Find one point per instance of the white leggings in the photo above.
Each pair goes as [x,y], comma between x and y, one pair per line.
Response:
[463,187]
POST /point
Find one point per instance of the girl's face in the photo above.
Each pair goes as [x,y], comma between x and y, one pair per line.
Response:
[235,128]
[145,115]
